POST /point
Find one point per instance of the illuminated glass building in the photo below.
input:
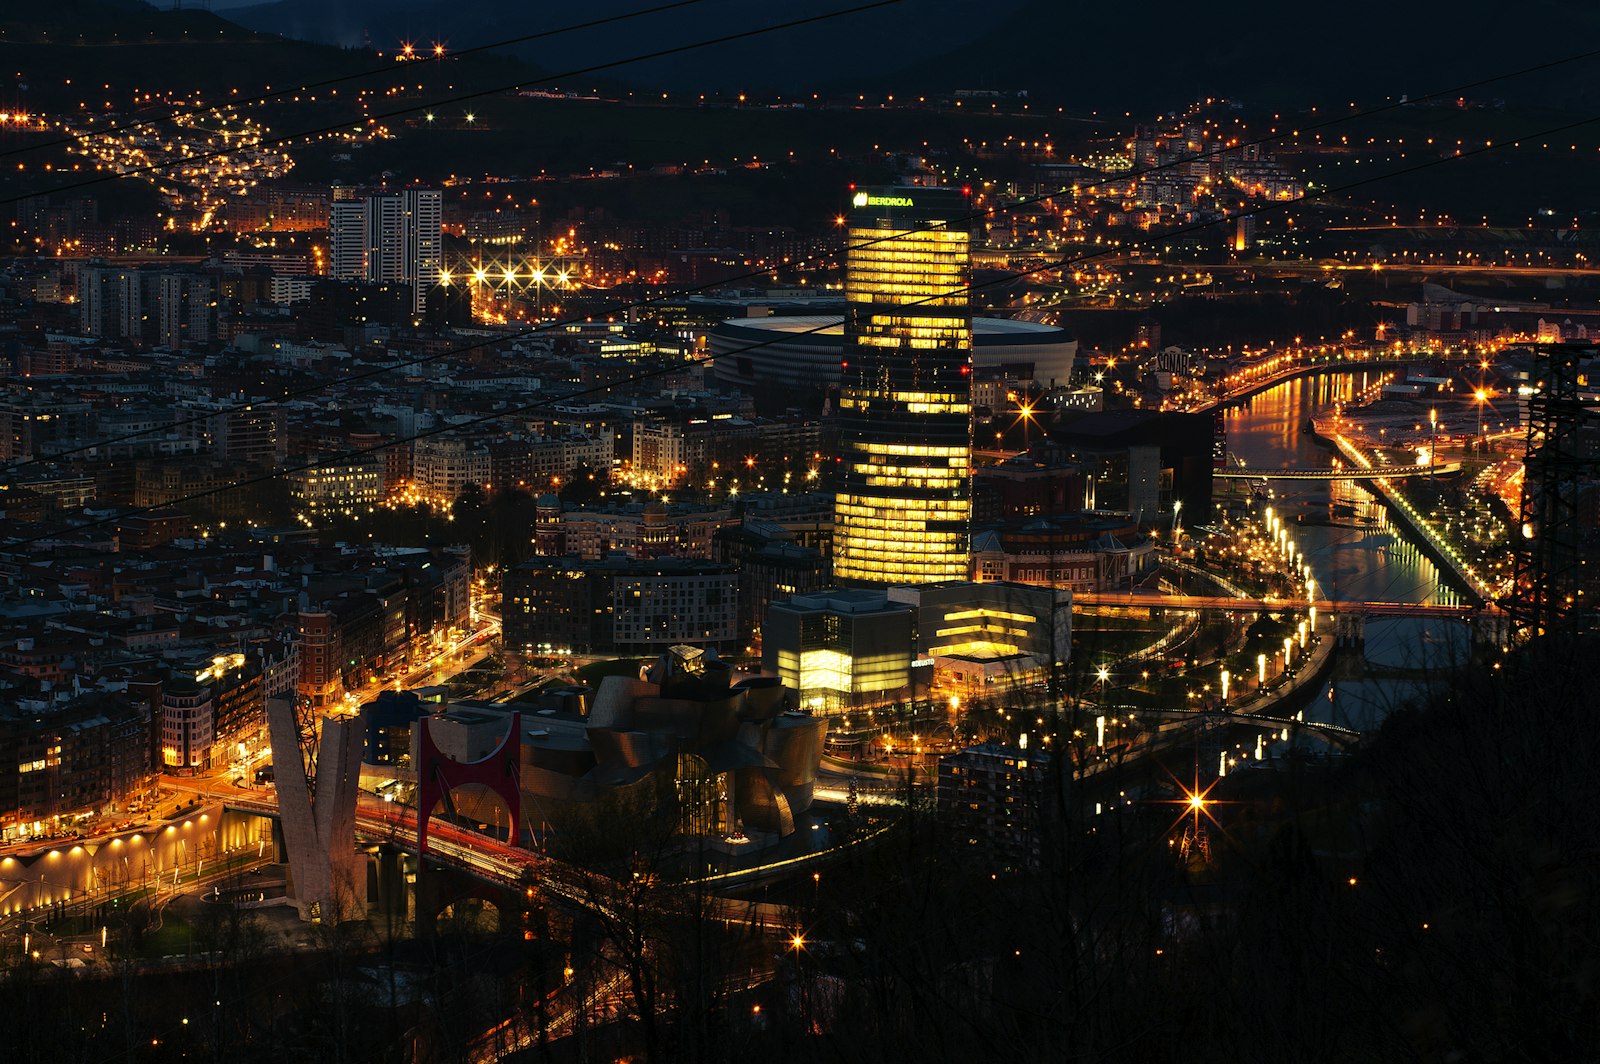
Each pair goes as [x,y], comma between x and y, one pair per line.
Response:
[903,501]
[843,649]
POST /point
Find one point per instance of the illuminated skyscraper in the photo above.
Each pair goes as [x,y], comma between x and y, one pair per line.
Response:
[902,509]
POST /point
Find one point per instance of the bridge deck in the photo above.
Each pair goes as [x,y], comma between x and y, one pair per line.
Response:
[1338,731]
[1249,473]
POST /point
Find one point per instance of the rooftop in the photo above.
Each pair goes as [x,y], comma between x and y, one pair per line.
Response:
[843,600]
[833,325]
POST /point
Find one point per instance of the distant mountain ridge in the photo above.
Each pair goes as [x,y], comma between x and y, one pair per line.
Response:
[802,59]
[90,22]
[1157,56]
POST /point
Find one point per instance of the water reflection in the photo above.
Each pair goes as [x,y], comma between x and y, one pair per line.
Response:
[1355,552]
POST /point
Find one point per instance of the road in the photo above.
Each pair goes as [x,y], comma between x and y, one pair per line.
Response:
[1273,605]
[459,656]
[219,781]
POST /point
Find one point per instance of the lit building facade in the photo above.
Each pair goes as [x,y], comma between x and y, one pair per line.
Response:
[983,636]
[649,530]
[903,502]
[442,466]
[618,604]
[91,755]
[212,713]
[393,236]
[338,488]
[842,650]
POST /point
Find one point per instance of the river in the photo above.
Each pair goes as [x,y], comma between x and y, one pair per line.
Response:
[1362,556]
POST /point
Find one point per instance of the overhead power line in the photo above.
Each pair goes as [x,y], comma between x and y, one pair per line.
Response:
[475,94]
[623,307]
[406,69]
[359,452]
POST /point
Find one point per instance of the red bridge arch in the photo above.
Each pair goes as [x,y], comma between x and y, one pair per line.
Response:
[438,775]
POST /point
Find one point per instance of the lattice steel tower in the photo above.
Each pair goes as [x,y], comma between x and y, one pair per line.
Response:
[1556,548]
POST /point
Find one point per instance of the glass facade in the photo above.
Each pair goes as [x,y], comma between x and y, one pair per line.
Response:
[837,666]
[841,649]
[903,503]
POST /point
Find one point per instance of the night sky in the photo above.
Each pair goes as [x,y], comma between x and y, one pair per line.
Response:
[1095,55]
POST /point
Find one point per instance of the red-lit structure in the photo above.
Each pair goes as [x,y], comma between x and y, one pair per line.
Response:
[439,774]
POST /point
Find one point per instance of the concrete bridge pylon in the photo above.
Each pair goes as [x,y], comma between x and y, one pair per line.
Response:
[326,879]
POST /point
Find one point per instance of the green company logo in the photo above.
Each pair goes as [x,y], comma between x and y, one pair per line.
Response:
[864,200]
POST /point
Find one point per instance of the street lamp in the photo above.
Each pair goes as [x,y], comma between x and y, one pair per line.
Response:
[1225,679]
[798,944]
[1025,415]
[1433,439]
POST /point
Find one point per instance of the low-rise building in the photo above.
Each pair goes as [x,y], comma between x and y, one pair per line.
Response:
[994,794]
[843,649]
[696,447]
[772,568]
[544,463]
[618,604]
[443,465]
[1089,554]
[339,488]
[1025,486]
[356,626]
[644,529]
[88,757]
[987,636]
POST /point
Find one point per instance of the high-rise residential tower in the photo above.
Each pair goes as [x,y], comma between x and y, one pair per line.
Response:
[902,508]
[388,237]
